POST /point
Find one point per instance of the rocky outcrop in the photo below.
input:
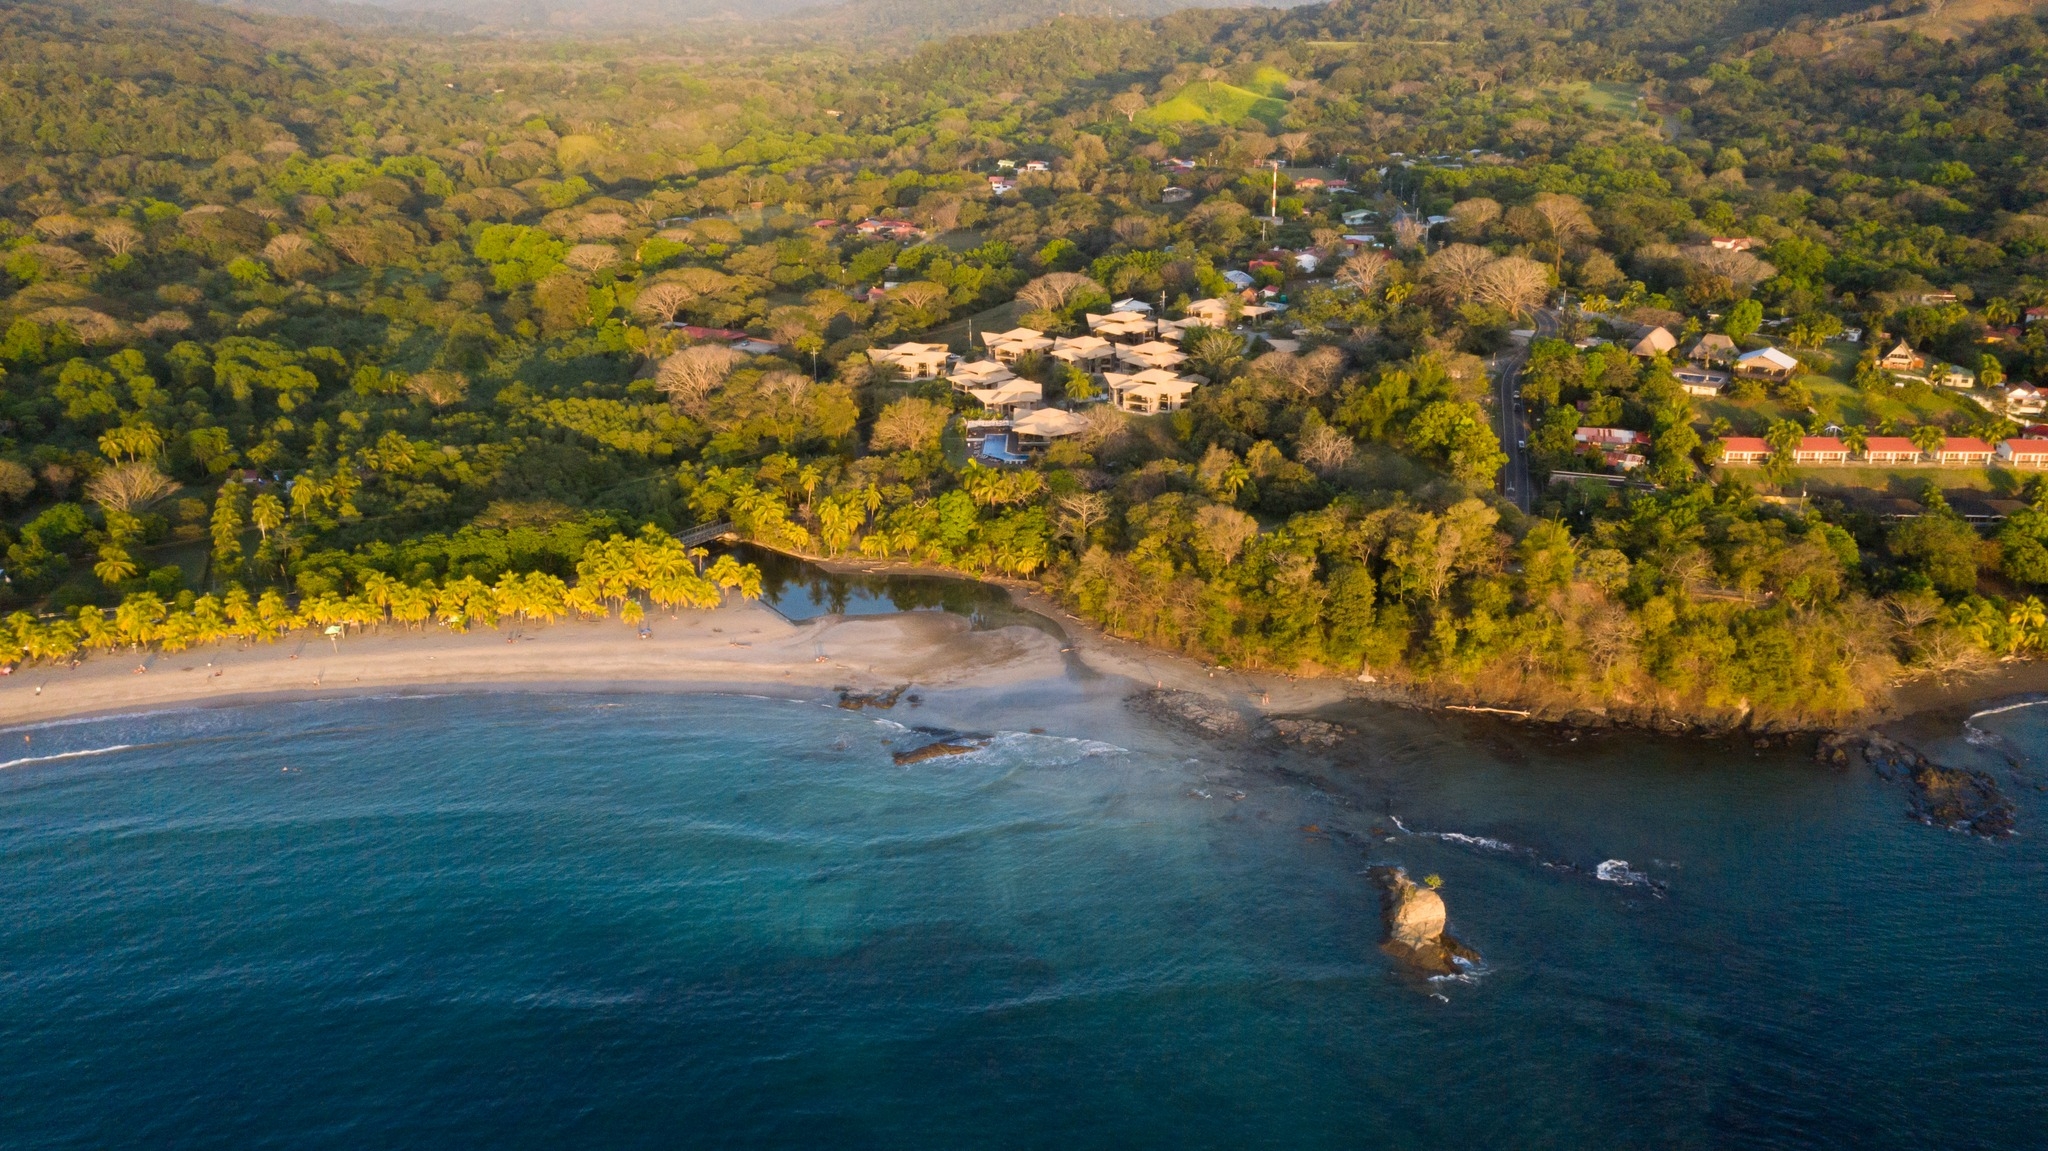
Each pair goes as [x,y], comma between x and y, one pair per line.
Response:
[1958,798]
[1208,714]
[940,749]
[1306,732]
[856,700]
[1415,920]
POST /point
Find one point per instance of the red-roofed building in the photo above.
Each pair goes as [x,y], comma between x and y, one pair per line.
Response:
[2028,453]
[1964,450]
[1890,450]
[1820,450]
[1744,450]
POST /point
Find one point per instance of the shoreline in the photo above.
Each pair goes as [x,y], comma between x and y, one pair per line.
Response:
[741,647]
[745,647]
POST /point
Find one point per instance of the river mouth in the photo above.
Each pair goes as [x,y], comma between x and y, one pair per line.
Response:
[799,590]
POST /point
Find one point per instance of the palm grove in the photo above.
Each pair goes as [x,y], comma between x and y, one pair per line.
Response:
[305,327]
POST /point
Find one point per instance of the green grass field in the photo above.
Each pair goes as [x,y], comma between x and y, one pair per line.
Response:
[1864,481]
[1903,408]
[1602,96]
[1212,102]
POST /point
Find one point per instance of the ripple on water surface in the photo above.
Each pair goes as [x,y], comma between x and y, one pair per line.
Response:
[610,921]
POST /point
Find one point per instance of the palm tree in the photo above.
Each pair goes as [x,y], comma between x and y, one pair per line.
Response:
[1856,438]
[2027,619]
[1928,438]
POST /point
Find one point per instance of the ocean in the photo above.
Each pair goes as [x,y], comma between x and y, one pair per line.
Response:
[570,920]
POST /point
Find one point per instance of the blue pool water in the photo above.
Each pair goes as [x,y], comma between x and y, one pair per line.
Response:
[549,921]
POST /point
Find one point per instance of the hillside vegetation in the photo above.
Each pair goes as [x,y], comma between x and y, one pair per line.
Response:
[303,325]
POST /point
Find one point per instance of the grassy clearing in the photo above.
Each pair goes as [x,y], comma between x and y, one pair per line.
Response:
[1211,102]
[1906,482]
[1269,81]
[1602,96]
[1902,407]
[953,334]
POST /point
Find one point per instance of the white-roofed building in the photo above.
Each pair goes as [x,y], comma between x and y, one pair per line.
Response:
[917,361]
[1013,345]
[1156,354]
[1151,391]
[1045,425]
[1766,364]
[1132,304]
[1012,398]
[1088,353]
[979,374]
[1123,327]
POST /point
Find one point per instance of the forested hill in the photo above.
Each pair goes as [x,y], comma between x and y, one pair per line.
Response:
[313,326]
[869,22]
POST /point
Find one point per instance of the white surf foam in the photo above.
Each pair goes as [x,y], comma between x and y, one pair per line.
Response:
[1618,871]
[25,761]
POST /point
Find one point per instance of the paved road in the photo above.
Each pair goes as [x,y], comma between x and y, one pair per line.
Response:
[1510,420]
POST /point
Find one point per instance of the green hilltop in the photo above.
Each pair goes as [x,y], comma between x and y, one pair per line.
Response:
[1263,97]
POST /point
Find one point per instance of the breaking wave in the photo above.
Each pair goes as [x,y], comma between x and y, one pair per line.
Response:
[26,760]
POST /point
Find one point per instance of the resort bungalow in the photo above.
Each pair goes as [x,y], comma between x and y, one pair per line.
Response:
[1713,348]
[1656,342]
[1123,326]
[1744,450]
[1045,425]
[979,374]
[1967,451]
[1131,304]
[1015,344]
[1820,450]
[1156,354]
[1011,398]
[1766,364]
[1150,392]
[2024,453]
[1089,353]
[1902,358]
[1890,450]
[1701,381]
[917,361]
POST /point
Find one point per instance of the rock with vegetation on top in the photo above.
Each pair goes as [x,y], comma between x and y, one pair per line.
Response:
[1416,919]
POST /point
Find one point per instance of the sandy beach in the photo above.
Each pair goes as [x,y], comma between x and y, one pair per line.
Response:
[737,646]
[748,646]
[740,646]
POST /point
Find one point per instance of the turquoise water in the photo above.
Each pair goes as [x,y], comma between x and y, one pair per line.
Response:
[619,921]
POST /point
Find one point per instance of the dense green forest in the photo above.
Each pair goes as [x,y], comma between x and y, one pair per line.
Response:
[308,326]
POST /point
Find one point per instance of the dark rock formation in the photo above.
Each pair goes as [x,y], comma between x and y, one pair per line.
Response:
[1306,732]
[940,749]
[1958,798]
[882,701]
[1211,715]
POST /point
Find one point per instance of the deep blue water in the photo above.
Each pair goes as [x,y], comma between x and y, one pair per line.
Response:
[556,921]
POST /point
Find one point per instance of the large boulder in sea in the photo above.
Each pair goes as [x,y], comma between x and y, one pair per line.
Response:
[1416,919]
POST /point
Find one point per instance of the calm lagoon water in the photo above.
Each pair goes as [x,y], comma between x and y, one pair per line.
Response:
[549,921]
